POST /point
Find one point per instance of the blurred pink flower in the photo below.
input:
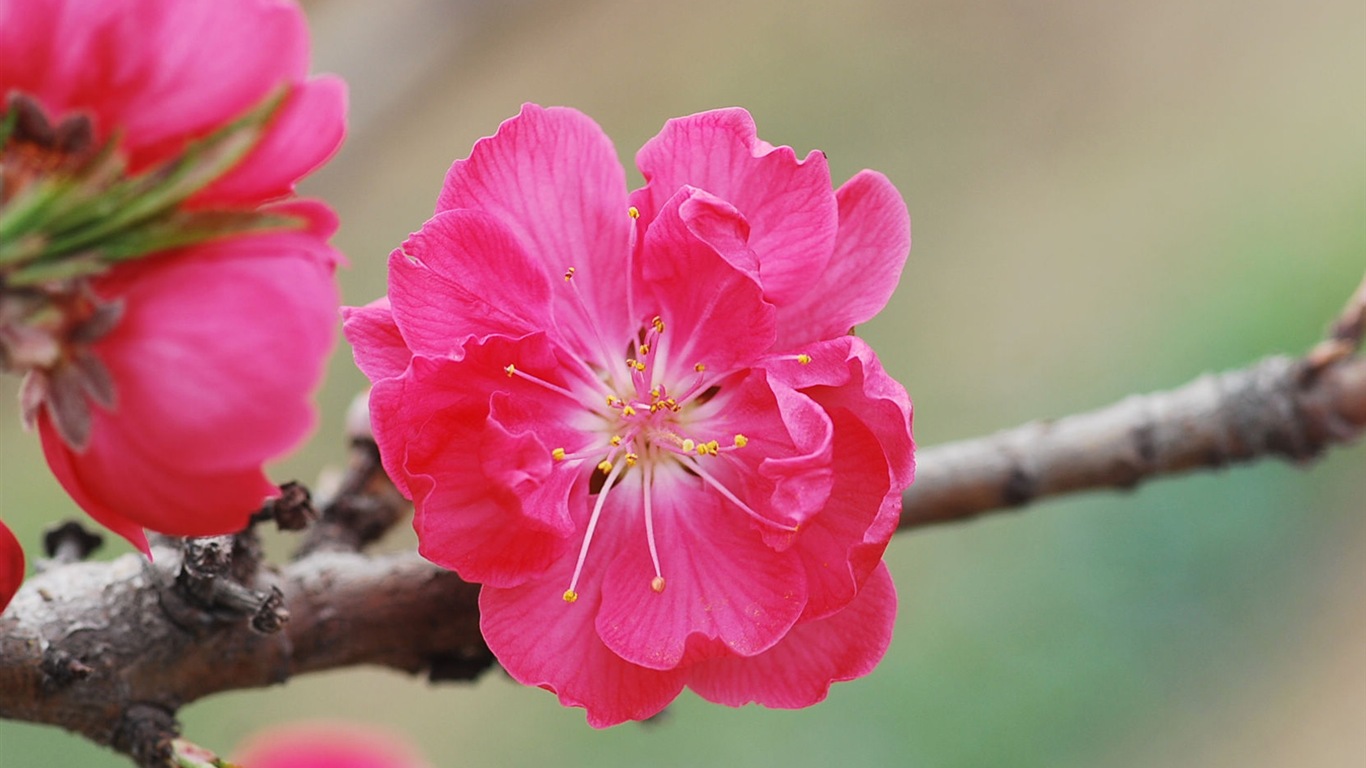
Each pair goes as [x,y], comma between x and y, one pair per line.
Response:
[640,420]
[185,370]
[327,745]
[11,565]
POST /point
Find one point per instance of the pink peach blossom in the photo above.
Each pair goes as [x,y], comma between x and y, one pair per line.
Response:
[639,421]
[327,745]
[11,565]
[206,355]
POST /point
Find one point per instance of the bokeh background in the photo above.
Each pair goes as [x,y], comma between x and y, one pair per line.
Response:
[1106,198]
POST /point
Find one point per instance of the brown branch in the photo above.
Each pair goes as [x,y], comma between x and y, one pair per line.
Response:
[112,650]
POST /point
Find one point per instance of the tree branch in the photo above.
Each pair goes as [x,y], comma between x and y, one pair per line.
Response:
[112,650]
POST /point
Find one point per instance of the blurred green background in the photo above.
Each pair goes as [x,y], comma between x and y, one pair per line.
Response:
[1106,198]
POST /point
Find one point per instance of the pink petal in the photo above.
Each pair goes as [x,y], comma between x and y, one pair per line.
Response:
[464,274]
[181,452]
[553,178]
[11,565]
[220,347]
[723,583]
[845,373]
[784,470]
[491,503]
[870,251]
[542,640]
[788,203]
[840,546]
[798,671]
[375,340]
[302,135]
[722,327]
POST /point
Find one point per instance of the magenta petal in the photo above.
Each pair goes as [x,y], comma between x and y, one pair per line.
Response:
[379,348]
[553,177]
[127,489]
[542,640]
[798,671]
[870,251]
[465,275]
[674,263]
[194,322]
[303,134]
[723,582]
[11,565]
[788,203]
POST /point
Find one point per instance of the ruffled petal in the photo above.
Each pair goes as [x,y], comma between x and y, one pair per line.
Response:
[723,583]
[798,671]
[553,178]
[788,203]
[490,502]
[463,275]
[784,469]
[11,565]
[542,640]
[870,250]
[720,328]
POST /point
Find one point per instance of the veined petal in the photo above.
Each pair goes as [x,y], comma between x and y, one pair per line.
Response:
[722,327]
[11,565]
[798,671]
[870,250]
[723,582]
[553,178]
[378,346]
[463,275]
[788,203]
[542,640]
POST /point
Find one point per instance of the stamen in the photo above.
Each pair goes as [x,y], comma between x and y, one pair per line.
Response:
[558,454]
[605,466]
[570,595]
[741,441]
[615,441]
[512,370]
[646,481]
[804,359]
[569,274]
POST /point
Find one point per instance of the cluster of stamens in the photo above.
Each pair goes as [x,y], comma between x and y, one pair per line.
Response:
[644,430]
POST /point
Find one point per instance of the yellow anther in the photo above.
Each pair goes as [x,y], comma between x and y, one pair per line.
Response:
[570,595]
[654,393]
[605,466]
[713,447]
[639,366]
[688,445]
[630,362]
[699,367]
[657,584]
[804,358]
[616,440]
[658,324]
[558,454]
[569,274]
[510,369]
[633,212]
[644,350]
[631,459]
[613,401]
[628,411]
[702,450]
[741,441]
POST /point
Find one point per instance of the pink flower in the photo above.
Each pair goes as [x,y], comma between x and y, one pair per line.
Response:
[183,371]
[639,420]
[11,566]
[327,745]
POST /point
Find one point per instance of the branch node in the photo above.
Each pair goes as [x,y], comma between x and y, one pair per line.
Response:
[61,669]
[292,510]
[70,542]
[145,733]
